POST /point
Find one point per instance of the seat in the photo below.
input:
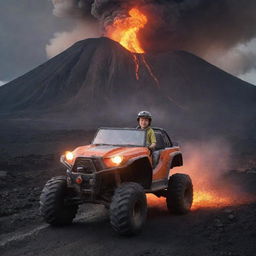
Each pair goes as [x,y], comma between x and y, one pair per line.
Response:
[159,141]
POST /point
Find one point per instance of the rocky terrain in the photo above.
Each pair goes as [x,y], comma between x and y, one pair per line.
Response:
[215,231]
[223,230]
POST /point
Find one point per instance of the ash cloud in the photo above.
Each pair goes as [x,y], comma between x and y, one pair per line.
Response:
[82,29]
[207,28]
[85,25]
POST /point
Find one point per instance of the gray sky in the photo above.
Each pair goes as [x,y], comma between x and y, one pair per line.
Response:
[27,26]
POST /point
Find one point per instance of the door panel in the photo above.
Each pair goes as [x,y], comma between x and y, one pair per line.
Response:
[163,167]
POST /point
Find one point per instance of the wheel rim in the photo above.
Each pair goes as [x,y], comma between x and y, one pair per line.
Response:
[137,213]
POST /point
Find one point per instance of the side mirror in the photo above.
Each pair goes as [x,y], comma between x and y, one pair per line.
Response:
[175,144]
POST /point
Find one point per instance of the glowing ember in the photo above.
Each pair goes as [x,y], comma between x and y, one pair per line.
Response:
[154,201]
[203,199]
[125,30]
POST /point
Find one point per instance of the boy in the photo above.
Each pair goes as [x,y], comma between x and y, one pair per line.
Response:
[144,119]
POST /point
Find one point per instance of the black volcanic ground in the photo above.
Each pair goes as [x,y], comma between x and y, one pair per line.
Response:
[58,105]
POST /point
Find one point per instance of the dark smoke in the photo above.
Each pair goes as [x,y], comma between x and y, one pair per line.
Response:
[207,28]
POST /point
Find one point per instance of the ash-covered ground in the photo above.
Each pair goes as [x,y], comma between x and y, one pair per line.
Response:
[28,158]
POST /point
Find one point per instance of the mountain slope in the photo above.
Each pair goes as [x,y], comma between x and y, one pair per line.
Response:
[98,80]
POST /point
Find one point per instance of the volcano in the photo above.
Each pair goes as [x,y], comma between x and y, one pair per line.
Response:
[97,80]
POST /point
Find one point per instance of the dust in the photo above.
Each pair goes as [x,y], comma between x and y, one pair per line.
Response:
[208,163]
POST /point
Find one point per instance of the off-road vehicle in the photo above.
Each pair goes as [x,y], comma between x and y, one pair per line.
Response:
[117,169]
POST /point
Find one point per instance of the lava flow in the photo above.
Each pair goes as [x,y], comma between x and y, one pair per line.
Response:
[125,31]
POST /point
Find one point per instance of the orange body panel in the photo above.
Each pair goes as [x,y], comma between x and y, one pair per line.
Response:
[108,152]
[162,169]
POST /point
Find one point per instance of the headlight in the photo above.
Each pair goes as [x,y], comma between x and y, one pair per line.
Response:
[117,160]
[113,161]
[69,156]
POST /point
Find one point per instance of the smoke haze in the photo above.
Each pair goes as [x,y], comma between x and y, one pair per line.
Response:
[62,40]
[208,163]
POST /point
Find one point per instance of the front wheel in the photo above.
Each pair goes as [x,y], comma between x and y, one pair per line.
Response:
[128,209]
[52,204]
[179,196]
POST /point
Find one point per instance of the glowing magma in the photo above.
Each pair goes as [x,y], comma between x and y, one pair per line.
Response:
[125,30]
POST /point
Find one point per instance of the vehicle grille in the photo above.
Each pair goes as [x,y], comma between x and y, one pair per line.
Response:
[84,165]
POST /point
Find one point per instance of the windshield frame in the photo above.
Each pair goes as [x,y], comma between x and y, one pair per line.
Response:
[122,145]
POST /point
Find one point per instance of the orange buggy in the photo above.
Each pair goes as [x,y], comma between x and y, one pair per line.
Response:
[117,170]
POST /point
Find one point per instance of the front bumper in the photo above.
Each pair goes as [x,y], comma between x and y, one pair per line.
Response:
[93,177]
[94,181]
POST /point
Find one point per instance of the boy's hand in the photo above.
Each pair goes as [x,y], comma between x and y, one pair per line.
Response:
[150,150]
[152,146]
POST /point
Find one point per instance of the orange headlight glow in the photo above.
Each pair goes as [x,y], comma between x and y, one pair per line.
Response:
[69,156]
[113,161]
[117,160]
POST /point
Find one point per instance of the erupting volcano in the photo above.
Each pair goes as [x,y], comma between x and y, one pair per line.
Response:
[125,30]
[97,75]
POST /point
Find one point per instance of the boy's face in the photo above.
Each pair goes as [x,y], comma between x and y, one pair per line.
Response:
[144,123]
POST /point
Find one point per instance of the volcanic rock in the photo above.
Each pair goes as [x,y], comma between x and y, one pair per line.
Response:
[3,174]
[231,217]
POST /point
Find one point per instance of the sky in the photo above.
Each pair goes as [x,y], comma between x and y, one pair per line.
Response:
[24,35]
[28,28]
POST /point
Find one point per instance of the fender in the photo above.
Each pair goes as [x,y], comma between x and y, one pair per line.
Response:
[170,157]
[176,159]
[138,170]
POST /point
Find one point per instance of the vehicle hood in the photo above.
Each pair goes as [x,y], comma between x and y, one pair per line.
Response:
[107,151]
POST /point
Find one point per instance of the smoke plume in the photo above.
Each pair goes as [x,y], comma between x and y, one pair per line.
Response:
[207,28]
[83,29]
[85,25]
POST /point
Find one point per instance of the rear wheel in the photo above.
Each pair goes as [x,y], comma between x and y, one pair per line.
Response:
[179,196]
[52,202]
[128,209]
